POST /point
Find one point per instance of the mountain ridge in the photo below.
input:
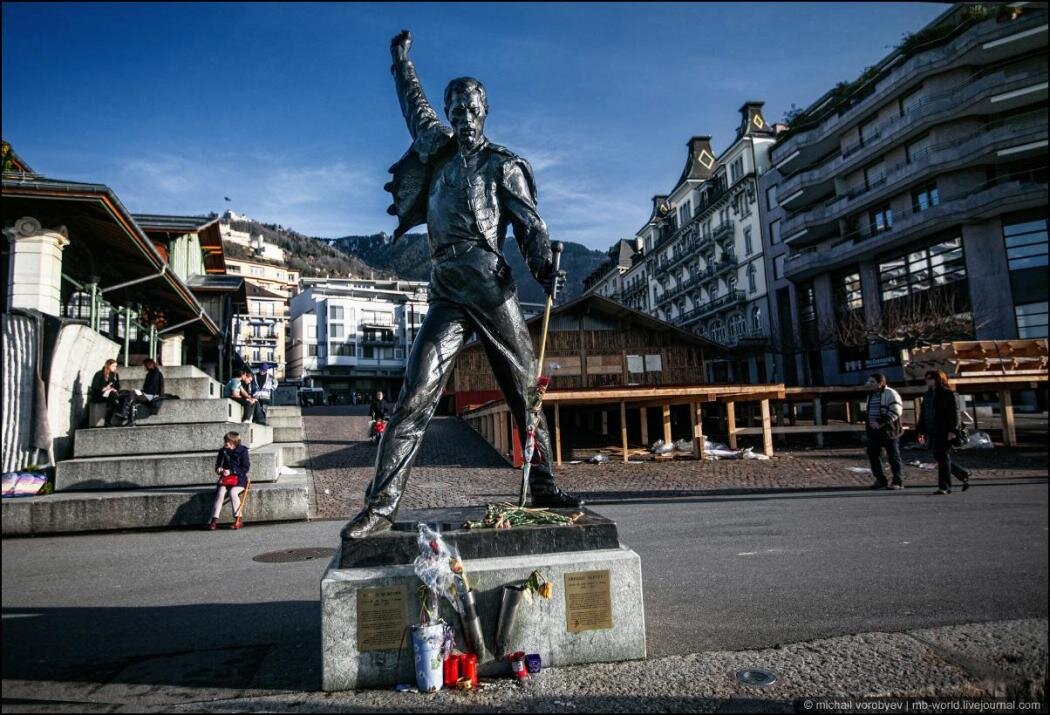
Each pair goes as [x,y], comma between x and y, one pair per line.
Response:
[409,258]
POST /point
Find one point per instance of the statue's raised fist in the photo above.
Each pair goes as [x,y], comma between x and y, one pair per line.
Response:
[400,45]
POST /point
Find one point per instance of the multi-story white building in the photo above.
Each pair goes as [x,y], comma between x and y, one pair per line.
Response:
[259,334]
[354,334]
[700,264]
[259,246]
[276,279]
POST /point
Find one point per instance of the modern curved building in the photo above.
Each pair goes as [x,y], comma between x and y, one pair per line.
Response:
[910,205]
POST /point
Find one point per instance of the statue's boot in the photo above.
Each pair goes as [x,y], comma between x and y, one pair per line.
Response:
[365,523]
[546,495]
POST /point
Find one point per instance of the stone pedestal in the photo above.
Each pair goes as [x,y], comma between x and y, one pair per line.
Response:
[493,558]
[35,273]
[171,350]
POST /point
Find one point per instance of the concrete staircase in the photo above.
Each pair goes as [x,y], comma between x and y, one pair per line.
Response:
[160,473]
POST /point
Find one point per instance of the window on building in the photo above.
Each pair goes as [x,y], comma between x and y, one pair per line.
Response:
[233,269]
[343,349]
[752,282]
[1031,320]
[774,232]
[874,175]
[685,212]
[748,248]
[335,312]
[736,170]
[868,132]
[756,319]
[925,197]
[807,304]
[881,219]
[778,267]
[1026,245]
[937,265]
[335,330]
[771,197]
[918,149]
[910,102]
[849,293]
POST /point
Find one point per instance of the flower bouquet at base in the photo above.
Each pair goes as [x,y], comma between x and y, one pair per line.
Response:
[513,594]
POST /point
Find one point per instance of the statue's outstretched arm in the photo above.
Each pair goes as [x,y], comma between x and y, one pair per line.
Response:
[419,115]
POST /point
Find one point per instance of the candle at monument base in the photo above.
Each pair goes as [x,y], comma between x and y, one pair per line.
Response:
[451,672]
[468,667]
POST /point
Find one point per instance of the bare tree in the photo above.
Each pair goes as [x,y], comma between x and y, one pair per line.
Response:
[927,318]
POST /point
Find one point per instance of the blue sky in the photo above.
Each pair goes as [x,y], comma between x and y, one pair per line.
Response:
[290,110]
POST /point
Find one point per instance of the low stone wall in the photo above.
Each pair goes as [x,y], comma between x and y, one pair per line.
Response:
[79,353]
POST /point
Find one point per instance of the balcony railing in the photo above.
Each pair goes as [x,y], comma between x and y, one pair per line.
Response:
[915,66]
[722,302]
[693,281]
[938,157]
[926,112]
[994,197]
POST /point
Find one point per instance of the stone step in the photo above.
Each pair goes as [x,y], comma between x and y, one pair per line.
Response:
[283,420]
[137,372]
[187,388]
[176,412]
[287,434]
[70,512]
[168,470]
[166,439]
[293,454]
[284,411]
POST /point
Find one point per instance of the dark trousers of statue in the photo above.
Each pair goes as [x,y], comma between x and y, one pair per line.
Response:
[494,315]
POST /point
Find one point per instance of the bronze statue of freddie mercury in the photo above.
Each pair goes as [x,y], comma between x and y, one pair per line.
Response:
[468,192]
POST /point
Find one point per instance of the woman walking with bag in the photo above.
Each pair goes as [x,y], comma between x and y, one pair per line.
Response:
[231,464]
[938,429]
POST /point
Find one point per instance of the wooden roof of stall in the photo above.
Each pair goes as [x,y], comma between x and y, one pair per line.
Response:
[106,244]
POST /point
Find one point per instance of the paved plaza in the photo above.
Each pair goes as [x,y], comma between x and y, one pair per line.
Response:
[457,467]
[839,591]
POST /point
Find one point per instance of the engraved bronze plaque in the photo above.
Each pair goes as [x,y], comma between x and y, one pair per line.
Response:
[588,601]
[380,618]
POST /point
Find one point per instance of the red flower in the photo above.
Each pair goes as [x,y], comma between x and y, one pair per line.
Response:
[543,382]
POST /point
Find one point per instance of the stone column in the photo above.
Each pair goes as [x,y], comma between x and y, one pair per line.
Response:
[171,350]
[35,274]
[988,278]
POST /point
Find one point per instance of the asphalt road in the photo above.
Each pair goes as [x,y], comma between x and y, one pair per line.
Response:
[727,573]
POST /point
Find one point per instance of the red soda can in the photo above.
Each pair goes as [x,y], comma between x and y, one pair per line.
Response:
[451,670]
[517,665]
[468,668]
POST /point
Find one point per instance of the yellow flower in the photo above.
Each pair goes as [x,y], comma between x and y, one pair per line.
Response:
[546,589]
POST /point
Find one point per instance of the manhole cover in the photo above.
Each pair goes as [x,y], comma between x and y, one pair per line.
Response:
[281,557]
[756,676]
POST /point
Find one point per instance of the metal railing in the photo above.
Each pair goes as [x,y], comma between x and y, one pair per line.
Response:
[96,304]
[916,65]
[953,207]
[959,149]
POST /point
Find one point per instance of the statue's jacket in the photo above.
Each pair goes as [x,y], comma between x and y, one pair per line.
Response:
[501,192]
